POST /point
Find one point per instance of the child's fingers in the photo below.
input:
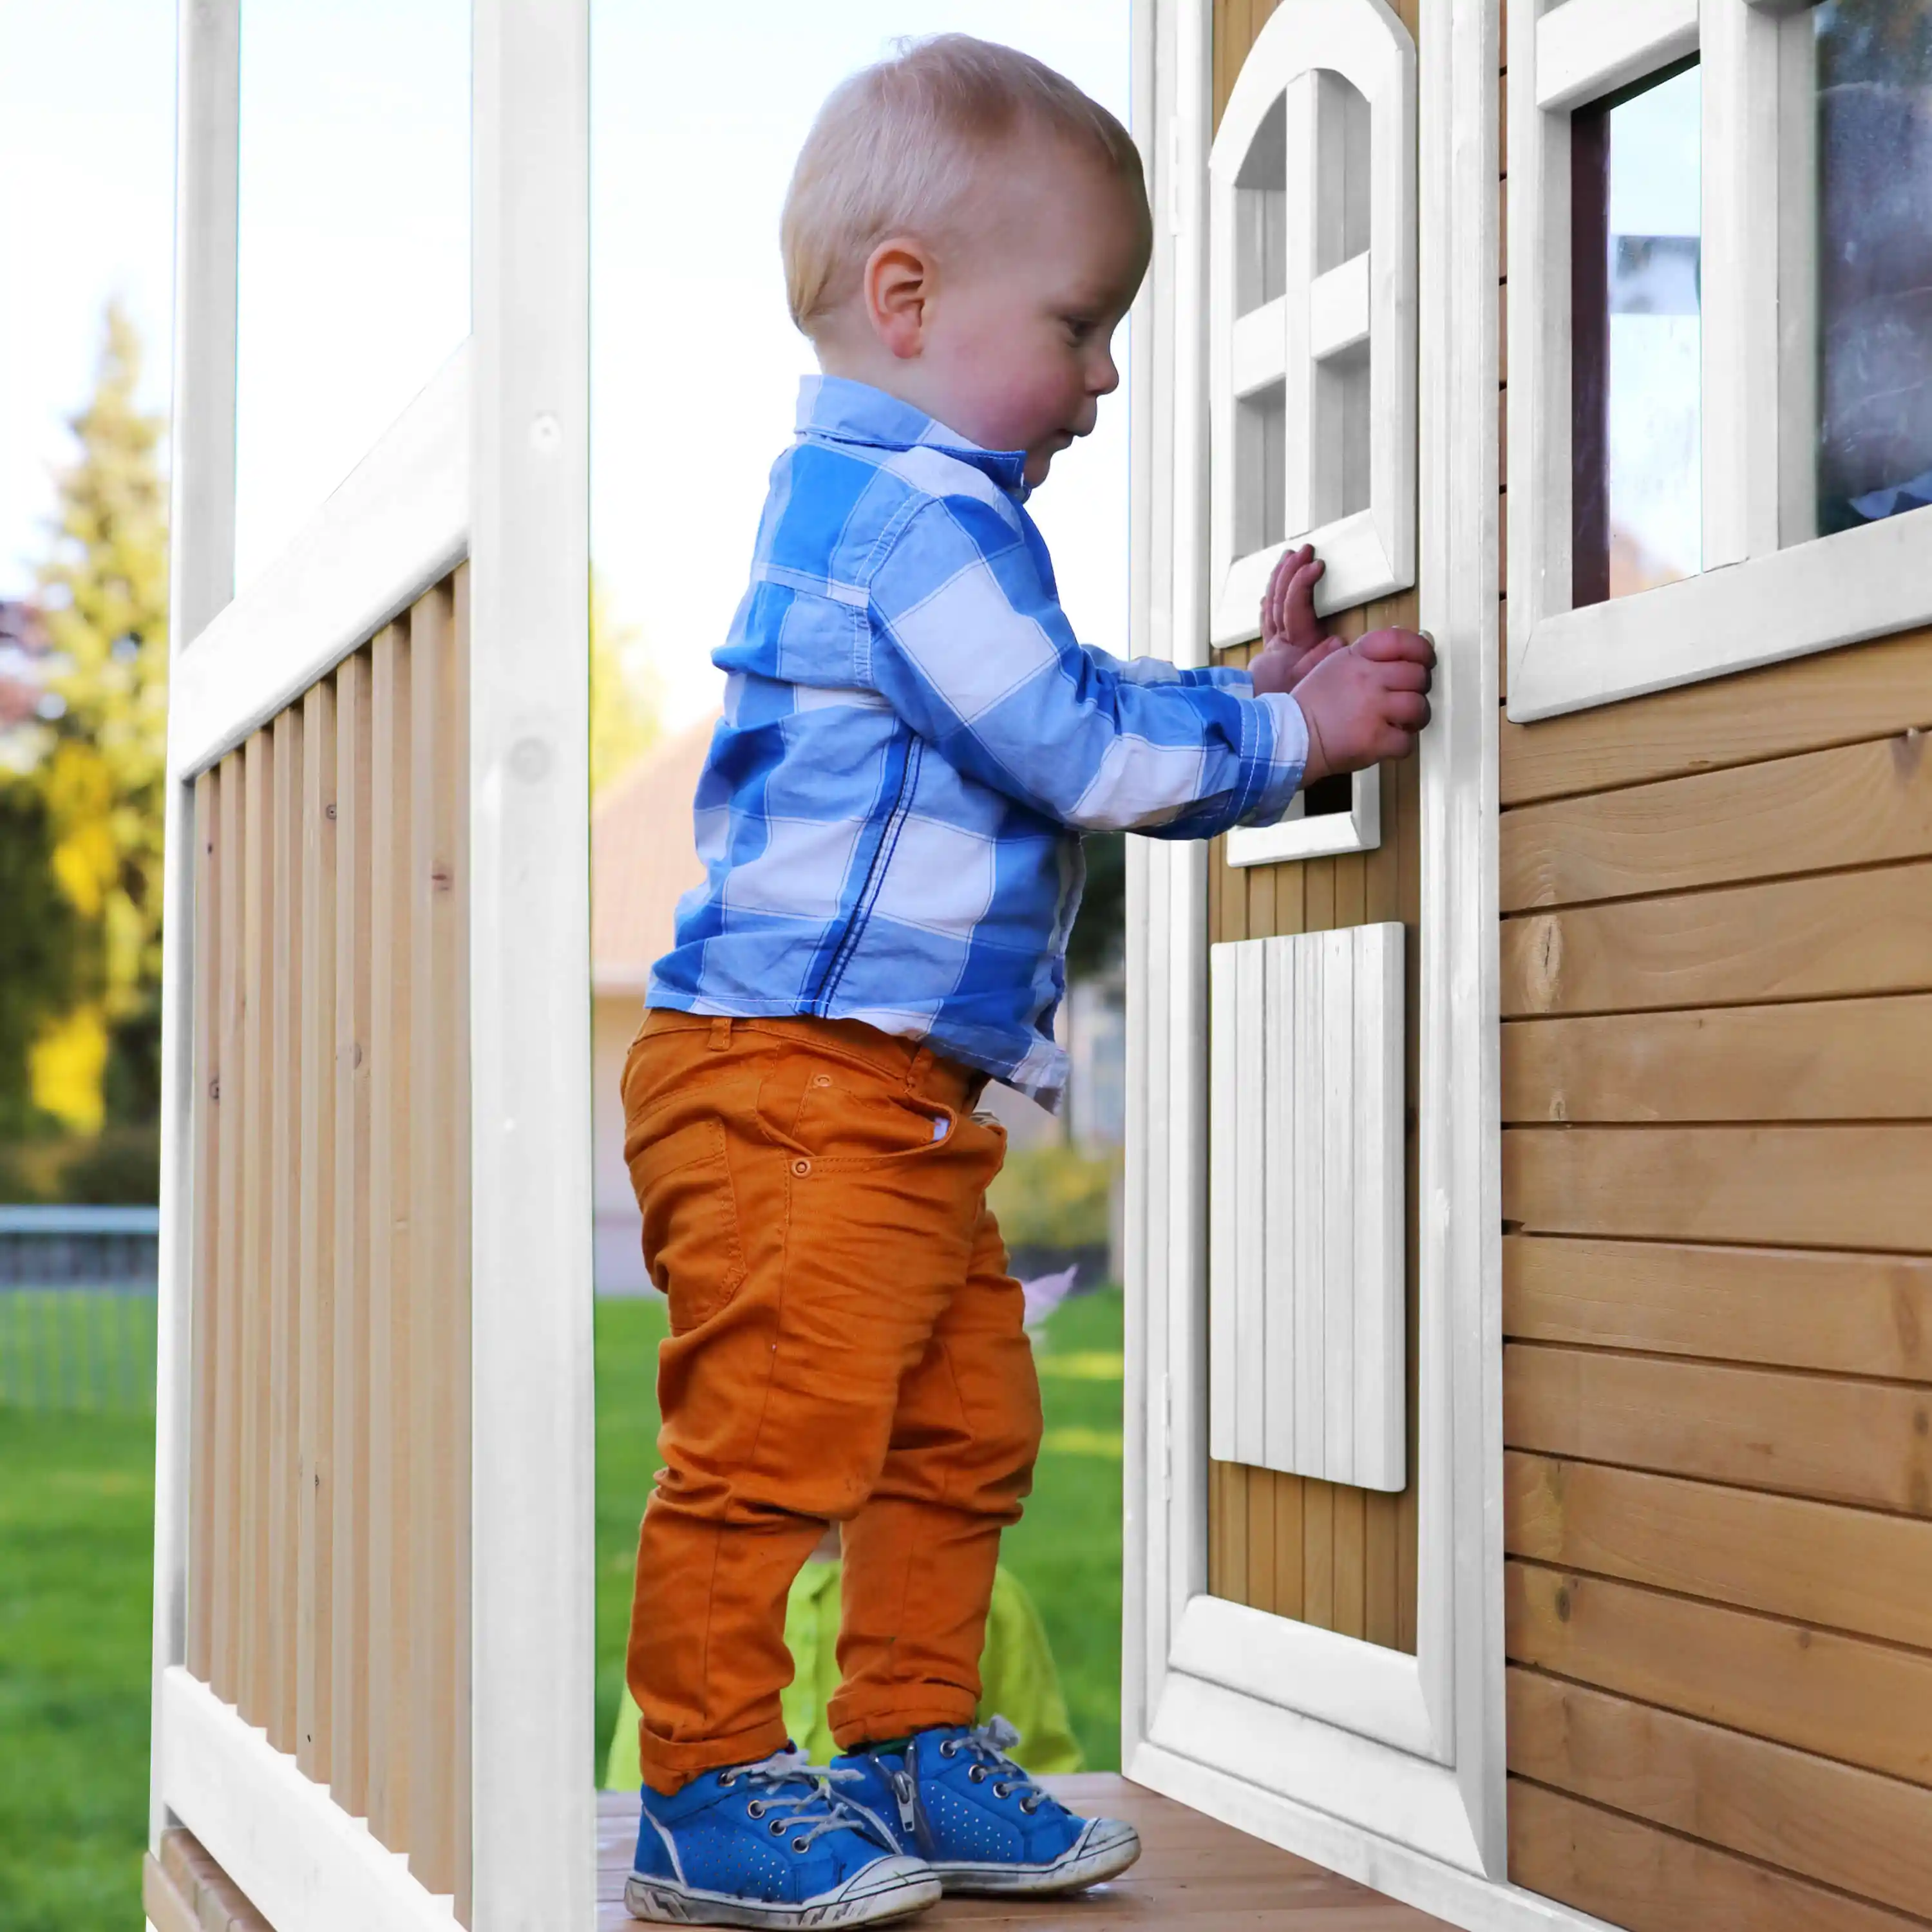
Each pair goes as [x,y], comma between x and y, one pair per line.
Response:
[1274,598]
[1297,613]
[1404,674]
[1406,710]
[1394,646]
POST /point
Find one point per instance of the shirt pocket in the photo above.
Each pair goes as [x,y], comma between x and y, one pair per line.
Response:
[692,1244]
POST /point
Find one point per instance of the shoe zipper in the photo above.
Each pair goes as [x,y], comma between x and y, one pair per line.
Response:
[903,1794]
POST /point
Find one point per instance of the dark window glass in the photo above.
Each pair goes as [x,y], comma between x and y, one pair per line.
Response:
[1637,343]
[1874,67]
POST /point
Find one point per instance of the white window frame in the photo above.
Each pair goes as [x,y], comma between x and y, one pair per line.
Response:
[1386,1767]
[1770,588]
[1370,297]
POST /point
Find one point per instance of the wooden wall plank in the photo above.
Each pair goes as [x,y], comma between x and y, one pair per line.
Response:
[1800,939]
[1855,804]
[1863,1703]
[1842,1060]
[209,858]
[1836,697]
[1632,1874]
[283,1282]
[1868,1443]
[1832,1823]
[1819,1563]
[391,1286]
[225,1503]
[350,1553]
[316,1244]
[1817,1187]
[1856,1314]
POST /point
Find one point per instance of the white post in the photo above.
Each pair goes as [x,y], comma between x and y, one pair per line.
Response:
[533,1821]
[201,566]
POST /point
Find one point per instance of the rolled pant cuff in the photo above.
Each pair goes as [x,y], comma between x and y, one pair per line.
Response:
[668,1765]
[900,1721]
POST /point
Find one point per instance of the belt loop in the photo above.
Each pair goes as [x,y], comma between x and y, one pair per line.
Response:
[721,1033]
[916,1069]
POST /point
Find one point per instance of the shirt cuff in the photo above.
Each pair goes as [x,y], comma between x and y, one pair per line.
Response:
[1285,760]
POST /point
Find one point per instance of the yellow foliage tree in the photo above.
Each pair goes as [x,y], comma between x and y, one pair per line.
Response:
[105,591]
[623,714]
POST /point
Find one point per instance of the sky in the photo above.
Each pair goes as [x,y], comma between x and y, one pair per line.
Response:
[354,265]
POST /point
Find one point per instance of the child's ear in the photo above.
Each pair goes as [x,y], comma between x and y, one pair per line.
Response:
[898,286]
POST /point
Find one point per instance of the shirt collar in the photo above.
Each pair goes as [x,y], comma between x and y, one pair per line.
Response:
[843,411]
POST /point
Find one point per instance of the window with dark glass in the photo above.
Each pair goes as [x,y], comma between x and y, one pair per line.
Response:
[1636,338]
[1874,149]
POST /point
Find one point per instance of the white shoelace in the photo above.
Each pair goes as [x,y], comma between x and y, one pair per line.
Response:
[774,1776]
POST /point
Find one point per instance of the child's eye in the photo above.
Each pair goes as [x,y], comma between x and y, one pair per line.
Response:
[1079,328]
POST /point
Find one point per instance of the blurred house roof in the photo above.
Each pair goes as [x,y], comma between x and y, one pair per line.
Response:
[643,859]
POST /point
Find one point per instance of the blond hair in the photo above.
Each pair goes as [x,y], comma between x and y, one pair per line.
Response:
[893,149]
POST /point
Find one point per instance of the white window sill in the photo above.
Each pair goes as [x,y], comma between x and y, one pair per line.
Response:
[1839,589]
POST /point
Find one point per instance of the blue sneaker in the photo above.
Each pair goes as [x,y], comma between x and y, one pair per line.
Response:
[981,1824]
[769,1844]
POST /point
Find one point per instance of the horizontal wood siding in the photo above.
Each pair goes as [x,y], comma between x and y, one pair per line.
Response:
[1326,1553]
[1716,958]
[329,1510]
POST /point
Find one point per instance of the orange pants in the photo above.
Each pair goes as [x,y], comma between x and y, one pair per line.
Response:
[846,1346]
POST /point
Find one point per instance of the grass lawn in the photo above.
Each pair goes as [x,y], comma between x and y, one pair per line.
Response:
[76,1507]
[77,1501]
[1067,1551]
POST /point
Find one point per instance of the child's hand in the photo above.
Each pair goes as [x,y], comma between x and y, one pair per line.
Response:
[1366,702]
[1292,643]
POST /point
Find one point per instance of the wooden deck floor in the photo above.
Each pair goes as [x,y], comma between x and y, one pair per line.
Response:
[1193,1873]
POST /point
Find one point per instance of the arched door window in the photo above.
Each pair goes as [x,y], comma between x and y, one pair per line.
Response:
[1312,310]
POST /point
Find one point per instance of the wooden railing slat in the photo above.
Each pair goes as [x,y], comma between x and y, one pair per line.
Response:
[208,857]
[224,1501]
[316,1245]
[284,986]
[350,1670]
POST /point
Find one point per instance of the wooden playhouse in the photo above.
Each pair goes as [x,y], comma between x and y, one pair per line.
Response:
[1528,1498]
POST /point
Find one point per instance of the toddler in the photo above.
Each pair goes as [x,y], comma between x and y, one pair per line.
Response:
[890,818]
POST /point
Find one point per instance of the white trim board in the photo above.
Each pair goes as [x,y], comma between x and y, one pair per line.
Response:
[301,1860]
[532,1552]
[1322,836]
[398,523]
[1397,1870]
[1421,1807]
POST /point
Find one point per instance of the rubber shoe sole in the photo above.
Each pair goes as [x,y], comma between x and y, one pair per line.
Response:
[893,1888]
[1103,1851]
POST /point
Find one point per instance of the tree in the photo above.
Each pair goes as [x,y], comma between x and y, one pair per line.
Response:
[104,587]
[623,717]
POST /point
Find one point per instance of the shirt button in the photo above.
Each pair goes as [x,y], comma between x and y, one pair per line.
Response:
[801,1167]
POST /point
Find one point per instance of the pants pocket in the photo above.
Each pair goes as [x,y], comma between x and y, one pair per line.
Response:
[691,1242]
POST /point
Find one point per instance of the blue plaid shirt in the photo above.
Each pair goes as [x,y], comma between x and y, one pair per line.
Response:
[913,740]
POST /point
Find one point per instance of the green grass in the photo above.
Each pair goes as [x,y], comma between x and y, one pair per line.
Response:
[77,1501]
[76,1509]
[1067,1551]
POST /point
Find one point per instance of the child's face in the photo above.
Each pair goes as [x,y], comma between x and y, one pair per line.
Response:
[1006,336]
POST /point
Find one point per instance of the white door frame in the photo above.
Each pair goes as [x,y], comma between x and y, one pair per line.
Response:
[1387,1768]
[491,461]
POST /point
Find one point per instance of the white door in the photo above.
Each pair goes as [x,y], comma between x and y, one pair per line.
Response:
[373,1623]
[1382,1764]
